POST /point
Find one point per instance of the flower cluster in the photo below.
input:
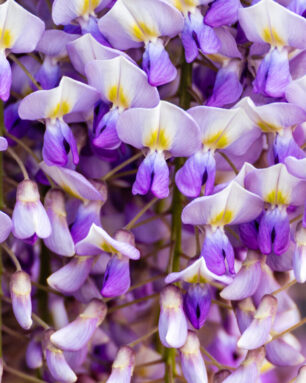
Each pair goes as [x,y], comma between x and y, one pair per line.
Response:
[152,190]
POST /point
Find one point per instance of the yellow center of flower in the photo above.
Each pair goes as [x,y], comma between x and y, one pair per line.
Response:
[117,96]
[6,40]
[60,110]
[185,6]
[216,140]
[276,198]
[88,6]
[223,218]
[270,36]
[143,32]
[267,127]
[158,140]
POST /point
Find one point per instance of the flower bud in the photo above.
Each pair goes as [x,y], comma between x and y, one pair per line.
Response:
[56,362]
[60,240]
[172,323]
[193,366]
[258,332]
[34,357]
[76,334]
[123,366]
[20,288]
[29,216]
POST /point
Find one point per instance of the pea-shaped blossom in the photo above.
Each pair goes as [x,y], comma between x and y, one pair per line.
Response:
[20,33]
[220,129]
[278,189]
[123,366]
[296,92]
[132,23]
[232,205]
[71,97]
[29,216]
[165,130]
[20,289]
[77,334]
[196,35]
[73,183]
[82,11]
[86,49]
[271,23]
[122,85]
[278,119]
[98,241]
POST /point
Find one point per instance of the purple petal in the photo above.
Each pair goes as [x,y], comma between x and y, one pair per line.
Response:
[222,12]
[199,169]
[76,334]
[69,278]
[5,78]
[244,311]
[273,74]
[34,356]
[117,279]
[274,231]
[106,136]
[281,353]
[58,367]
[5,226]
[245,282]
[156,63]
[123,366]
[218,252]
[197,303]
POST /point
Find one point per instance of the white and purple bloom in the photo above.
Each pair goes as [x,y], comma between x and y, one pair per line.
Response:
[226,207]
[20,33]
[123,366]
[71,97]
[167,131]
[132,23]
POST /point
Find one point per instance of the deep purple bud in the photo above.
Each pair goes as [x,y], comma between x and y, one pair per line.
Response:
[117,279]
[20,289]
[274,231]
[197,303]
[218,252]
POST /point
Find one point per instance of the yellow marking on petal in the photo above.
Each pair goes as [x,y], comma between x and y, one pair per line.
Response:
[267,366]
[108,248]
[157,140]
[142,32]
[89,6]
[277,198]
[216,140]
[60,110]
[6,40]
[185,6]
[118,97]
[267,127]
[271,37]
[195,279]
[223,218]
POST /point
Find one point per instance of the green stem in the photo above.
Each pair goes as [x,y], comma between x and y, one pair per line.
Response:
[176,209]
[19,63]
[131,224]
[42,295]
[121,166]
[25,377]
